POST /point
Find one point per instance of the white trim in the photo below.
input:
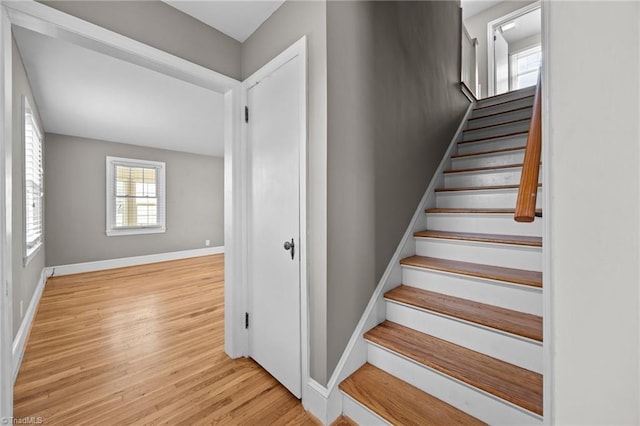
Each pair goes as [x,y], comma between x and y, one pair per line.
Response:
[297,49]
[233,226]
[548,304]
[354,354]
[46,20]
[6,301]
[20,340]
[491,26]
[123,262]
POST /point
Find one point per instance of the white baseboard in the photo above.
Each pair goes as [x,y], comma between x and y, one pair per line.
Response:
[101,265]
[324,405]
[21,338]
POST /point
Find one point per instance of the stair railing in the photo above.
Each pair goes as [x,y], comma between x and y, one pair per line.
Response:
[528,191]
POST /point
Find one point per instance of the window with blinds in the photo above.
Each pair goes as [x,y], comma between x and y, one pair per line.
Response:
[33,184]
[135,196]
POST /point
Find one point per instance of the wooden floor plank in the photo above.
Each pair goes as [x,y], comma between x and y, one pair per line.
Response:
[498,273]
[514,322]
[506,381]
[398,402]
[143,345]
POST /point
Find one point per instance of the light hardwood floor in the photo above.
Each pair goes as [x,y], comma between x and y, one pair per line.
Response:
[143,345]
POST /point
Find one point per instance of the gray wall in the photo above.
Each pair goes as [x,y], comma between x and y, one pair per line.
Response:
[25,278]
[162,26]
[394,104]
[290,22]
[477,27]
[75,199]
[592,174]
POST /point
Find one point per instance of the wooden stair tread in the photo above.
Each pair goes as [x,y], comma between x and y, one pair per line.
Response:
[398,402]
[494,151]
[483,169]
[498,273]
[506,123]
[501,112]
[507,381]
[514,322]
[501,103]
[480,188]
[504,135]
[518,240]
[483,211]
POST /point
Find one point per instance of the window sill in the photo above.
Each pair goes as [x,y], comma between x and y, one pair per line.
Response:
[33,252]
[135,231]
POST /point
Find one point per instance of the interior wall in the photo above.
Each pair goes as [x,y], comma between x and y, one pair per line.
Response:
[25,278]
[163,27]
[525,43]
[75,201]
[287,25]
[394,103]
[594,211]
[477,27]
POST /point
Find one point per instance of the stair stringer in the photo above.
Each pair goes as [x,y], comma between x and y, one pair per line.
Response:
[355,353]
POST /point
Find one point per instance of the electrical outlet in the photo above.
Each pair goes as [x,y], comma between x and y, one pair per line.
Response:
[207,243]
[21,310]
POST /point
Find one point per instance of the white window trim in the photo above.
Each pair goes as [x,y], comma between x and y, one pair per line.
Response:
[157,229]
[30,252]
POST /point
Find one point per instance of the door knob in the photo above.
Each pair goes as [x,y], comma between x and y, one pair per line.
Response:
[290,246]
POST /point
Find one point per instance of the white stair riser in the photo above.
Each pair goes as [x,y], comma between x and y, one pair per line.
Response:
[483,112]
[473,401]
[506,97]
[359,413]
[494,199]
[502,129]
[488,160]
[515,114]
[492,177]
[493,144]
[483,223]
[514,350]
[516,297]
[508,256]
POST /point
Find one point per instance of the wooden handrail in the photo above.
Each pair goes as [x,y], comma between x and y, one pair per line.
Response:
[528,191]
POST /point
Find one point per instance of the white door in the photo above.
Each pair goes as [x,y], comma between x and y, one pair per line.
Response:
[501,63]
[274,222]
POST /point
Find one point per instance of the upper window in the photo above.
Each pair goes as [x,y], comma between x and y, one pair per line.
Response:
[525,66]
[33,184]
[135,196]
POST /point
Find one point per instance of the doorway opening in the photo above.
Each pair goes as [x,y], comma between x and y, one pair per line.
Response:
[514,53]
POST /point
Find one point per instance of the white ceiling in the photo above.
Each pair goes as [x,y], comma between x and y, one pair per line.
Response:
[473,7]
[526,26]
[80,92]
[237,19]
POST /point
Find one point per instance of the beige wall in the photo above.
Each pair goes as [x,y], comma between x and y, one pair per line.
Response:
[161,26]
[75,201]
[593,179]
[25,278]
[477,27]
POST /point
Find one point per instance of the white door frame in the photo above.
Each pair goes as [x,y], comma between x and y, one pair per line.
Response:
[491,27]
[51,22]
[298,49]
[6,298]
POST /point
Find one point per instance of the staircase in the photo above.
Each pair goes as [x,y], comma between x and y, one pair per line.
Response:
[462,339]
